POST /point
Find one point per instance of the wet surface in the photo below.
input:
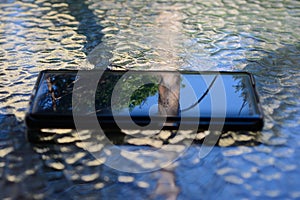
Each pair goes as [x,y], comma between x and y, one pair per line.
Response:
[259,37]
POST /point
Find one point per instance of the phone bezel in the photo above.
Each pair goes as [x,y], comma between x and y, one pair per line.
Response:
[45,120]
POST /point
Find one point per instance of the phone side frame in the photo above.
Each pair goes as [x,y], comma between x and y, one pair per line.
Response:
[37,122]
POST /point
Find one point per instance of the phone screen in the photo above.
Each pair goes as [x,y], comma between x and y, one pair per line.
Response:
[147,94]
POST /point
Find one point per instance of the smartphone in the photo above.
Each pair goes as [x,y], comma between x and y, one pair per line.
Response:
[145,99]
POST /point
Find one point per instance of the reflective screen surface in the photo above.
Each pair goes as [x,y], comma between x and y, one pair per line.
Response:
[151,93]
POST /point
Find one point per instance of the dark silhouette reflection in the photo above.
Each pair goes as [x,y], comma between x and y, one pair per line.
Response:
[89,25]
[58,94]
[55,92]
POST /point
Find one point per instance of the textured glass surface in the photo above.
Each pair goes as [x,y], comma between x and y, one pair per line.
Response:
[261,37]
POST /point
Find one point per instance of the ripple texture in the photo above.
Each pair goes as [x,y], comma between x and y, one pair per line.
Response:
[261,37]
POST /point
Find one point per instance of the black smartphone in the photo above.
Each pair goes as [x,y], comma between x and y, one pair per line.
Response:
[145,99]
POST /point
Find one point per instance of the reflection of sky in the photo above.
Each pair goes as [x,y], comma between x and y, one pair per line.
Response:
[231,100]
[235,100]
[149,104]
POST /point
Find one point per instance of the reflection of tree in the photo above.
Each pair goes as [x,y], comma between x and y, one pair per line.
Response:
[169,91]
[241,87]
[139,96]
[136,88]
[58,93]
[167,85]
